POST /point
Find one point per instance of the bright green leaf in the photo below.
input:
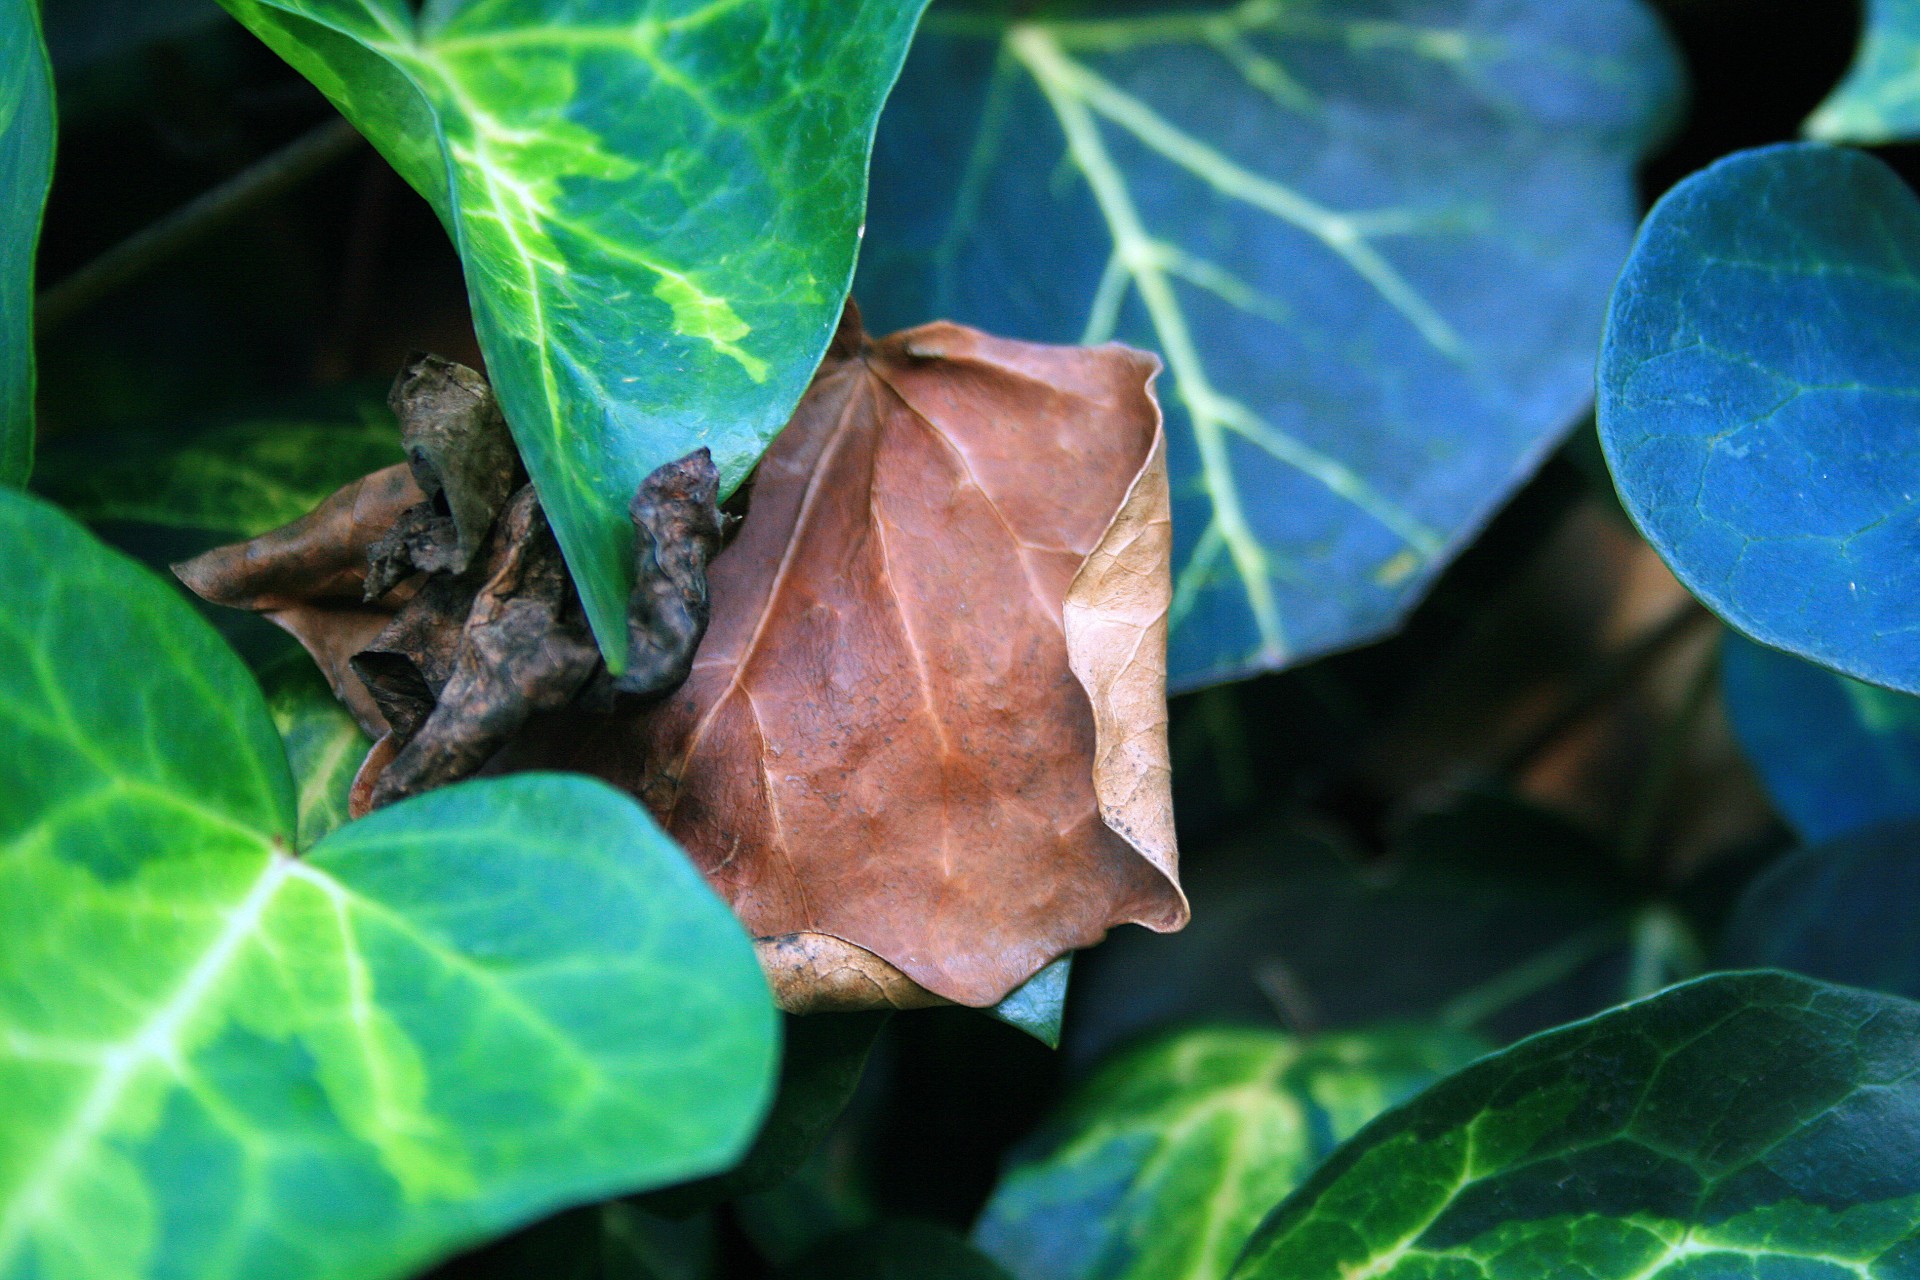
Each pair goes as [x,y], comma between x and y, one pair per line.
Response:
[221,1060]
[1759,1126]
[1372,242]
[26,167]
[657,204]
[1879,101]
[324,745]
[1167,1159]
[238,480]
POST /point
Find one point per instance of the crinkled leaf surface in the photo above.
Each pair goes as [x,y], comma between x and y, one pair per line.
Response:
[913,726]
[1841,911]
[1167,1159]
[240,480]
[657,205]
[1760,402]
[1751,1125]
[1836,755]
[26,167]
[222,1060]
[1879,101]
[324,745]
[1372,239]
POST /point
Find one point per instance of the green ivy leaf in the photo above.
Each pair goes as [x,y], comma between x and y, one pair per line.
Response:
[324,746]
[657,205]
[1372,242]
[1751,1125]
[222,1060]
[1166,1160]
[26,168]
[239,480]
[1879,101]
[1037,1005]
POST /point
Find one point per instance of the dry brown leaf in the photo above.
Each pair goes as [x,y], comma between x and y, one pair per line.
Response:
[309,578]
[936,660]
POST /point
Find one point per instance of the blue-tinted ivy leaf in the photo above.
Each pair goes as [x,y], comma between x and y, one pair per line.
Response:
[1759,1126]
[1760,402]
[1372,242]
[221,1060]
[1836,755]
[1879,101]
[656,203]
[26,167]
[1842,911]
[1037,1005]
[1164,1162]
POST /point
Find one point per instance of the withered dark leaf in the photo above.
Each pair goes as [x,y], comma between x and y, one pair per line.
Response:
[309,577]
[928,717]
[521,645]
[676,524]
[461,453]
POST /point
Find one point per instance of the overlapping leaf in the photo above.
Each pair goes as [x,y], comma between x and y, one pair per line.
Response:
[1836,755]
[1879,101]
[928,721]
[223,1060]
[1841,911]
[1165,1161]
[1741,1125]
[1760,402]
[1371,239]
[239,480]
[26,167]
[657,206]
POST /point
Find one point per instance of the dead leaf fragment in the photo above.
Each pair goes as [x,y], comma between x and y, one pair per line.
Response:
[309,578]
[676,525]
[936,660]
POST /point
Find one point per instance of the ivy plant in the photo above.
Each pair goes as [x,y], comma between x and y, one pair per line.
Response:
[737,656]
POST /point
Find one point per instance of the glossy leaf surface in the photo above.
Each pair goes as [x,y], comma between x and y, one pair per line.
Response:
[1371,240]
[1879,101]
[1836,755]
[656,203]
[1752,1125]
[1760,402]
[223,1060]
[240,480]
[1841,911]
[1168,1158]
[26,167]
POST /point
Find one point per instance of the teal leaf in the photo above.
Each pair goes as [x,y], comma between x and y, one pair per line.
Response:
[895,1250]
[1836,755]
[1037,1005]
[324,745]
[1750,1125]
[222,1060]
[1760,402]
[657,206]
[1372,242]
[1841,911]
[239,480]
[1879,101]
[1166,1160]
[26,168]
